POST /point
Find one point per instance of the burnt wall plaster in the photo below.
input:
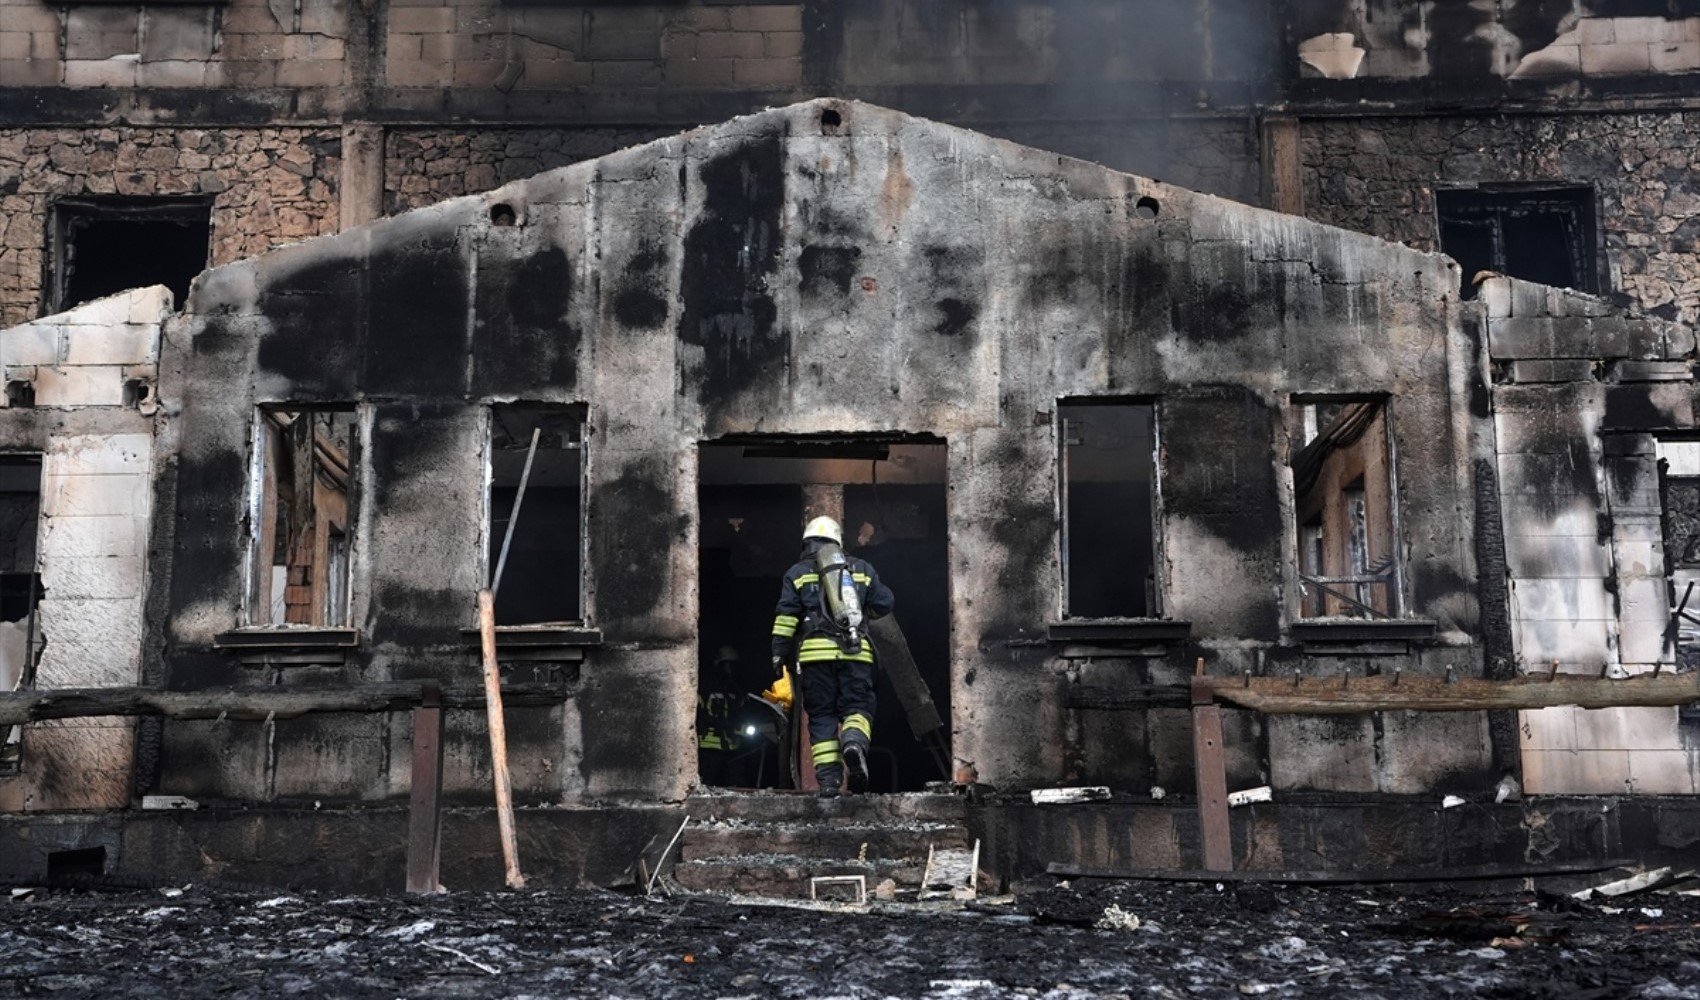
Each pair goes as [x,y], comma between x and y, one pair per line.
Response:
[988,281]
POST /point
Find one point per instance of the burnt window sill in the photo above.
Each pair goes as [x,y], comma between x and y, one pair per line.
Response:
[1327,631]
[550,642]
[290,637]
[1078,634]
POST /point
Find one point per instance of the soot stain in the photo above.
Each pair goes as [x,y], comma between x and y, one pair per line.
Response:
[207,548]
[526,339]
[826,270]
[956,280]
[416,326]
[634,525]
[731,254]
[637,303]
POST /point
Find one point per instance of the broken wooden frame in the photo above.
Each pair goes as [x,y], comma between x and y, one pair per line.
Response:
[1347,695]
[266,704]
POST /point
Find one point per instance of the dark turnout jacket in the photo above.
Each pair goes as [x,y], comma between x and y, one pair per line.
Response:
[803,631]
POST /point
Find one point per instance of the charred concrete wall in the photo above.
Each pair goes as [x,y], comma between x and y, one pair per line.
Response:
[1585,397]
[829,268]
[91,420]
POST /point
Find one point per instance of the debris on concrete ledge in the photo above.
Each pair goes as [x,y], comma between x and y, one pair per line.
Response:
[1058,796]
[1262,793]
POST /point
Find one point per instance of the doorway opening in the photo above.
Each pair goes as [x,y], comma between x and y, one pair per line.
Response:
[754,496]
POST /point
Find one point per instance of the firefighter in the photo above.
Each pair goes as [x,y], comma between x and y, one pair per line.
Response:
[823,602]
[721,693]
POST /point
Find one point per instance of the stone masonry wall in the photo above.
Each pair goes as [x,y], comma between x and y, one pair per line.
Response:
[268,187]
[1378,176]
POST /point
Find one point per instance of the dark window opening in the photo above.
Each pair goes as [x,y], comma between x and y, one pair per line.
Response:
[301,517]
[1108,485]
[1679,498]
[542,581]
[20,585]
[106,245]
[754,499]
[1343,501]
[1544,235]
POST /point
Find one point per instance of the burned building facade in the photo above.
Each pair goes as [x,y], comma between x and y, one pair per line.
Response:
[1097,427]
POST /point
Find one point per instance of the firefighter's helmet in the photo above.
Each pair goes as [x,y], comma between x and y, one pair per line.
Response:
[825,529]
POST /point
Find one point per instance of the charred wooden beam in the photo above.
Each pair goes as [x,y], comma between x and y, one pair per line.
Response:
[1384,693]
[253,704]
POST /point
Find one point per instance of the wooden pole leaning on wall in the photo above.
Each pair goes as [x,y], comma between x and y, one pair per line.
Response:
[498,740]
[493,683]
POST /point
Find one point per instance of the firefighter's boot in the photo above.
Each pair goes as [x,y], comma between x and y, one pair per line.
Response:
[830,779]
[853,738]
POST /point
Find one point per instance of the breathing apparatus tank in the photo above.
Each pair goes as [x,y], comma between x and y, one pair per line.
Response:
[838,590]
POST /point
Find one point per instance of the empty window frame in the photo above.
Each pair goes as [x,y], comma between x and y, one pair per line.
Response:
[1344,491]
[301,511]
[1679,498]
[105,245]
[1537,234]
[1107,491]
[542,580]
[20,585]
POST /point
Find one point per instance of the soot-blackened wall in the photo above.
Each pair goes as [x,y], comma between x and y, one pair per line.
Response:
[836,268]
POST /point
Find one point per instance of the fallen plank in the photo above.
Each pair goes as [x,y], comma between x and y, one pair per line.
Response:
[1392,693]
[1464,874]
[252,704]
[1635,885]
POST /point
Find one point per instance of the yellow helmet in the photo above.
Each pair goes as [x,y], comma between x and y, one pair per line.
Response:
[824,528]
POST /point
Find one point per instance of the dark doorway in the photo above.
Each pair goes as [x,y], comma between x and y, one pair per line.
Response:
[754,498]
[107,245]
[1544,235]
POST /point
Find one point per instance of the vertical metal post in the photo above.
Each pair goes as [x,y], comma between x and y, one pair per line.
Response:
[425,796]
[1211,772]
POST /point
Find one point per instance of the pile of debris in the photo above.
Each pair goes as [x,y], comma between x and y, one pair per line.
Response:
[1086,938]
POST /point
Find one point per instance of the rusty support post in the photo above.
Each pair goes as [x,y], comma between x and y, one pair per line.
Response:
[1211,770]
[425,815]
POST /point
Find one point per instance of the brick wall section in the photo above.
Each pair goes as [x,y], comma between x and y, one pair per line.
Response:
[1377,176]
[269,187]
[249,43]
[546,48]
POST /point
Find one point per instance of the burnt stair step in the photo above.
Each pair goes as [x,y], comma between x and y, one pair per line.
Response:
[821,840]
[801,807]
[781,876]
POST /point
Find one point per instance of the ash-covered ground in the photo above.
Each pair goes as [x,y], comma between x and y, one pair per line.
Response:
[1057,943]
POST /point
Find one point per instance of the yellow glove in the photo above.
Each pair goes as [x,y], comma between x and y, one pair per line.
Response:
[779,692]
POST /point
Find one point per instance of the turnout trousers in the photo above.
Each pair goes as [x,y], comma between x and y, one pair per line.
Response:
[838,694]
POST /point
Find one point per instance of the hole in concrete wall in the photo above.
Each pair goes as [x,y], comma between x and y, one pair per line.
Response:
[1345,508]
[1108,481]
[502,214]
[830,119]
[1537,234]
[1146,208]
[302,502]
[85,862]
[754,499]
[136,392]
[542,581]
[20,393]
[20,585]
[107,245]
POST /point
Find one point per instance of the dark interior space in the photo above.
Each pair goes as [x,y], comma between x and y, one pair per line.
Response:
[20,584]
[753,501]
[83,862]
[1544,235]
[542,579]
[1108,483]
[107,245]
